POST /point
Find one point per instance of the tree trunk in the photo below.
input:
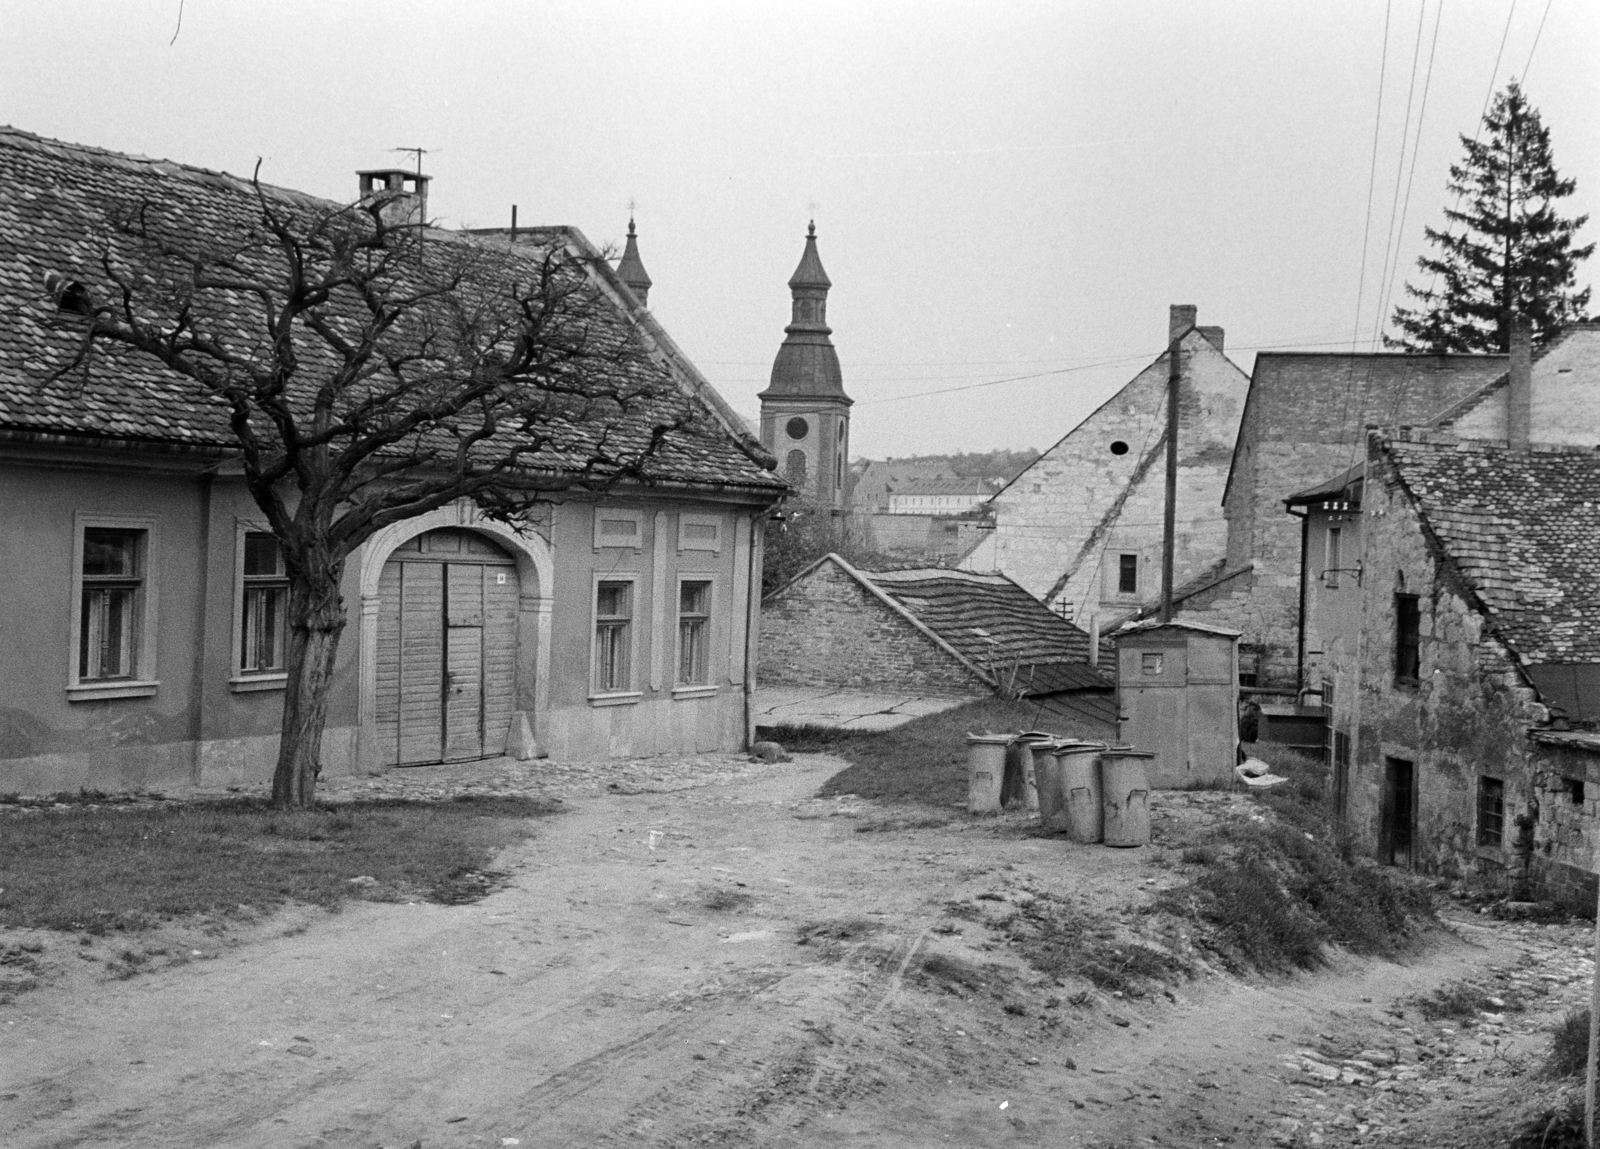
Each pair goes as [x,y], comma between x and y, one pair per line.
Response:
[316,619]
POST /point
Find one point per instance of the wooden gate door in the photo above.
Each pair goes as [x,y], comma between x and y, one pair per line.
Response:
[446,667]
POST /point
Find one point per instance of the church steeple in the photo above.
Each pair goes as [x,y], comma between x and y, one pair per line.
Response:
[805,414]
[631,269]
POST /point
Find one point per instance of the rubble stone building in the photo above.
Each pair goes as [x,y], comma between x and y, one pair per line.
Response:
[1304,421]
[1451,595]
[1081,528]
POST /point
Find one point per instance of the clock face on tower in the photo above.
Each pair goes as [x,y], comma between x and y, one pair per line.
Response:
[797,428]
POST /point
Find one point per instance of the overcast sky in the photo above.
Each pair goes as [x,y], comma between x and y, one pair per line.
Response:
[999,189]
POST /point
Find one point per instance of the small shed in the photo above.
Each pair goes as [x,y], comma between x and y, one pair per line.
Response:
[1178,695]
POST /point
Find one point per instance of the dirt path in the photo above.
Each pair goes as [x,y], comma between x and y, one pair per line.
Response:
[640,983]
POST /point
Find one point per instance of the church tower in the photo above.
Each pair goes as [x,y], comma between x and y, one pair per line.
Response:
[805,414]
[631,270]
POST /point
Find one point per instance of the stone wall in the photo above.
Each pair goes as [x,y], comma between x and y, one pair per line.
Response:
[826,629]
[1062,524]
[1465,718]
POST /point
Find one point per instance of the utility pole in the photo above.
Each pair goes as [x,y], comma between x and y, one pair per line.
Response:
[1169,518]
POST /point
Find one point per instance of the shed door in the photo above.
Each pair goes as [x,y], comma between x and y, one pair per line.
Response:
[446,670]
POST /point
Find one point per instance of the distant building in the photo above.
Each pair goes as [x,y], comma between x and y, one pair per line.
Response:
[1081,528]
[938,496]
[805,413]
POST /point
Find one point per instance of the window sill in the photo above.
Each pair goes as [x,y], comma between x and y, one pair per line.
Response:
[694,691]
[621,698]
[93,691]
[246,684]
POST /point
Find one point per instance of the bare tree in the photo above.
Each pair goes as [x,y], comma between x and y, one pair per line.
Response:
[372,370]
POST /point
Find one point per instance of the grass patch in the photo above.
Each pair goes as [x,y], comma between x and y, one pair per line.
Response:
[726,901]
[102,870]
[1061,940]
[1569,1048]
[1462,999]
[831,934]
[924,761]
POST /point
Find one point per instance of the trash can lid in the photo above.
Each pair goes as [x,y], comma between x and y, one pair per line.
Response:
[990,739]
[1127,752]
[1077,747]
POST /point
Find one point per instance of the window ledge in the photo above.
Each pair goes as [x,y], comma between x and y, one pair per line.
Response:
[704,691]
[620,698]
[244,684]
[122,688]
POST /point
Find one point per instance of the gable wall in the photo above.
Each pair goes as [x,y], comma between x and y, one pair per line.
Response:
[1566,397]
[1079,503]
[826,629]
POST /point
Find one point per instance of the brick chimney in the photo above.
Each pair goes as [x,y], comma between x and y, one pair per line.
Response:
[1519,404]
[1181,317]
[1212,335]
[402,194]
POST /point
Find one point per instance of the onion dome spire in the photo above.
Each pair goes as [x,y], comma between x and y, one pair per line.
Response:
[807,363]
[631,270]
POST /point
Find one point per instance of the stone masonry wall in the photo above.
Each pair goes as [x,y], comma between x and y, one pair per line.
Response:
[1060,525]
[1465,718]
[826,629]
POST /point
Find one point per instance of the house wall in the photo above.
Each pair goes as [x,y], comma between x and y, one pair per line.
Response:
[1466,717]
[826,629]
[199,726]
[195,722]
[1060,525]
[661,718]
[1332,612]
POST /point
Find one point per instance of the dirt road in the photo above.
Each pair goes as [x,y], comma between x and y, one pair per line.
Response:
[640,982]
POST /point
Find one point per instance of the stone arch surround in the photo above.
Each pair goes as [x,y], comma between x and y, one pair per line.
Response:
[535,569]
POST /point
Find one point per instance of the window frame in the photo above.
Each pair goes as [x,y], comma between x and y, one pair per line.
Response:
[680,688]
[1491,808]
[240,680]
[613,696]
[1119,569]
[141,682]
[1407,648]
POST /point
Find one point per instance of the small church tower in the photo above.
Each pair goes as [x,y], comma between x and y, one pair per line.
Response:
[631,269]
[805,414]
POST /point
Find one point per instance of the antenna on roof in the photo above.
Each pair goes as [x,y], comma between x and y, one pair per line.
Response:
[420,152]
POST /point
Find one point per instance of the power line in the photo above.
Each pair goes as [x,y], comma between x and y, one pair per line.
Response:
[1390,240]
[1372,178]
[1536,36]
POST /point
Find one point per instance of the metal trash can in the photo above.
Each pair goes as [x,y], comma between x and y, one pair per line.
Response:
[1125,779]
[1021,786]
[986,767]
[1083,795]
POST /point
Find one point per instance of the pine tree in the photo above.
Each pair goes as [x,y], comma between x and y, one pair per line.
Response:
[1506,249]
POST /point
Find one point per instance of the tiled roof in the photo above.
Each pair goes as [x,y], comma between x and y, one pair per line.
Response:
[1523,528]
[56,201]
[992,622]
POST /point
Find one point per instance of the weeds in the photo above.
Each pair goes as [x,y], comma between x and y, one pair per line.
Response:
[836,931]
[1569,1048]
[100,870]
[1060,940]
[1462,999]
[1559,1128]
